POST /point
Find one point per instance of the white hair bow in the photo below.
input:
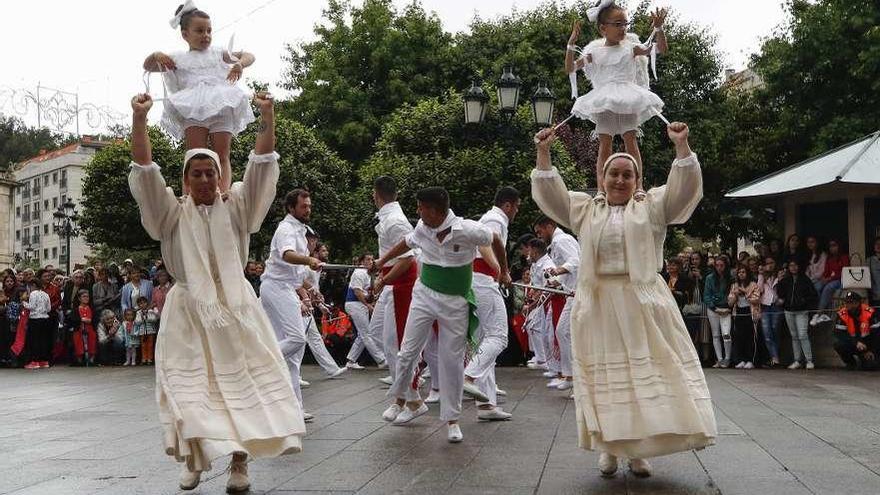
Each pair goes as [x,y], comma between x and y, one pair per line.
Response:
[593,12]
[188,7]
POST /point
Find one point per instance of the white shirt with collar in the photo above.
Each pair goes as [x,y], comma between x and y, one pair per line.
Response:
[393,226]
[289,236]
[538,268]
[497,222]
[458,248]
[565,252]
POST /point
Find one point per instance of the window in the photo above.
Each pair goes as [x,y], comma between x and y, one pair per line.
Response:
[17,211]
[54,203]
[45,253]
[45,205]
[45,229]
[54,252]
[54,177]
[17,235]
[37,183]
[64,178]
[63,250]
[63,198]
[26,212]
[18,191]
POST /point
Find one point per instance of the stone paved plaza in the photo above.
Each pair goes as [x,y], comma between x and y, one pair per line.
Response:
[84,431]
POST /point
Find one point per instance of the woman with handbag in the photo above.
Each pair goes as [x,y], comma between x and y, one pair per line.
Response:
[771,308]
[831,283]
[718,310]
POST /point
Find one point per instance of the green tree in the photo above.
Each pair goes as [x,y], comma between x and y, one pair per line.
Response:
[111,217]
[366,62]
[19,142]
[428,144]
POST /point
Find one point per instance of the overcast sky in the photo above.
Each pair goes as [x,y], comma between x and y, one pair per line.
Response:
[96,47]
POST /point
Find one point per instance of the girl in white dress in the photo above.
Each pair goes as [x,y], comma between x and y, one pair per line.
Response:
[639,389]
[203,101]
[617,67]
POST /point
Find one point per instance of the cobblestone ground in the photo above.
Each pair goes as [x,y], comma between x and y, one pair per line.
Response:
[73,430]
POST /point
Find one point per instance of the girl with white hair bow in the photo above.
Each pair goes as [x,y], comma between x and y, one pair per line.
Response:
[617,66]
[202,102]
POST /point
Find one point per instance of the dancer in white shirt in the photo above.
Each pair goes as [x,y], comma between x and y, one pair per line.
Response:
[480,371]
[359,305]
[443,293]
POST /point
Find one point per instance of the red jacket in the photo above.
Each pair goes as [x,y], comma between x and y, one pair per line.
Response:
[862,328]
[834,266]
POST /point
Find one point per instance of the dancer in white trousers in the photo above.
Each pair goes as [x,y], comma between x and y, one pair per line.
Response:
[311,294]
[443,293]
[282,278]
[492,332]
[538,320]
[359,307]
[565,253]
[394,285]
[221,383]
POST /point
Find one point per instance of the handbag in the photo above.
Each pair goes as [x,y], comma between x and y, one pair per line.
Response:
[855,277]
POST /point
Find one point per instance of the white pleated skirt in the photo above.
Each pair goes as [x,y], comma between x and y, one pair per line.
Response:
[223,390]
[639,389]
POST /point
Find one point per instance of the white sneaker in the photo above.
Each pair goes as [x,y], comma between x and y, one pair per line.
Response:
[382,366]
[304,384]
[238,477]
[499,392]
[454,433]
[387,380]
[408,414]
[749,366]
[189,480]
[554,382]
[740,365]
[433,397]
[494,414]
[795,365]
[814,320]
[472,390]
[822,319]
[640,467]
[426,373]
[392,412]
[354,366]
[565,385]
[534,365]
[810,365]
[549,374]
[607,464]
[337,373]
[308,417]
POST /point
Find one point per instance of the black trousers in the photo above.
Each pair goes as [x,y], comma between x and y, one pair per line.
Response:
[745,337]
[40,339]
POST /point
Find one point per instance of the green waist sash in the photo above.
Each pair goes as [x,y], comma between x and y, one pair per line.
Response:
[455,281]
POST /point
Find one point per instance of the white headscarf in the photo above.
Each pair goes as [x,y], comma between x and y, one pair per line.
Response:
[629,157]
[593,12]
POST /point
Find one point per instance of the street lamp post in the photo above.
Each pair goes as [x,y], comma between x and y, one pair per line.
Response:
[64,223]
[543,102]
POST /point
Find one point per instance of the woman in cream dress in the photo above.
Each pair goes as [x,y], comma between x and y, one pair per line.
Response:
[221,381]
[638,387]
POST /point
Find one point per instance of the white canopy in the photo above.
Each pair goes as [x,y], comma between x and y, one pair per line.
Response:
[855,163]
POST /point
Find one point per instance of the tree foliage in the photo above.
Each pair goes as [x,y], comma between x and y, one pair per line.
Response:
[19,142]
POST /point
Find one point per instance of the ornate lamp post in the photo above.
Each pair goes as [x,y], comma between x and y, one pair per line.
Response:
[64,223]
[508,92]
[543,102]
[475,102]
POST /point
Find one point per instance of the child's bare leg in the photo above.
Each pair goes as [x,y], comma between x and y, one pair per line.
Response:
[605,142]
[222,141]
[631,142]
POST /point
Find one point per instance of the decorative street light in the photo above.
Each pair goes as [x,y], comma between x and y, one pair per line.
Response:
[475,102]
[543,102]
[64,223]
[508,92]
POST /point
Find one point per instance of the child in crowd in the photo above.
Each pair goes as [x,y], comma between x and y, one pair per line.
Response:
[132,340]
[146,324]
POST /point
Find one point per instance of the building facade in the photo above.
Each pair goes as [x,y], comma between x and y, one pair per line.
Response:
[40,185]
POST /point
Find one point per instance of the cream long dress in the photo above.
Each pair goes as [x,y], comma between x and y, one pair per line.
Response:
[638,386]
[222,387]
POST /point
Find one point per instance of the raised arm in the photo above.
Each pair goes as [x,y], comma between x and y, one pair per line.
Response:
[684,187]
[265,143]
[256,192]
[548,189]
[141,150]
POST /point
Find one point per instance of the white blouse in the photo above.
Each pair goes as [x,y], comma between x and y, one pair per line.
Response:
[612,244]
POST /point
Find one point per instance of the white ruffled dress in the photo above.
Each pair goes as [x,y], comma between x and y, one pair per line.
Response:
[200,95]
[638,386]
[620,100]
